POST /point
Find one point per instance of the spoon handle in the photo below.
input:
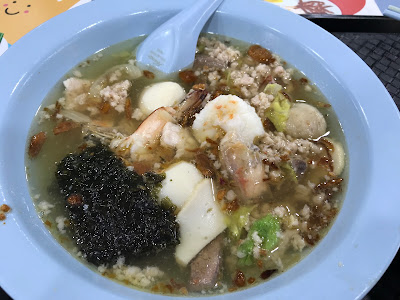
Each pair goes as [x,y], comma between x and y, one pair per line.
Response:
[172,46]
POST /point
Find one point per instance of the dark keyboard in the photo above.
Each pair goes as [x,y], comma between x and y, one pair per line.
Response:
[381,52]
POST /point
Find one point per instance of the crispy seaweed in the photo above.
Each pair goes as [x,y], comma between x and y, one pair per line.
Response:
[117,214]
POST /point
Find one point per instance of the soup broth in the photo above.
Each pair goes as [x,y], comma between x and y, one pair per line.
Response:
[206,181]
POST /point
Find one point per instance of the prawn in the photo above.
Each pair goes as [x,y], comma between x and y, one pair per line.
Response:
[237,121]
[162,125]
[147,134]
[244,165]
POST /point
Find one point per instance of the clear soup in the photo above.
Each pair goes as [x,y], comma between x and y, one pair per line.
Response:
[207,181]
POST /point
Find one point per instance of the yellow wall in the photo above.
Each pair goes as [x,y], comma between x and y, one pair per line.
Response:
[18,17]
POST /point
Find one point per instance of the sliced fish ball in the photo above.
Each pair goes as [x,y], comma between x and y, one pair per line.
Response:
[338,157]
[200,221]
[305,121]
[160,94]
[179,183]
[231,114]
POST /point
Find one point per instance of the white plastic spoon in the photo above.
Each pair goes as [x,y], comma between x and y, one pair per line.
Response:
[172,46]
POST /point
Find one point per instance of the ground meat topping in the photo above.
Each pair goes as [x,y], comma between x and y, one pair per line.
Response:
[116,94]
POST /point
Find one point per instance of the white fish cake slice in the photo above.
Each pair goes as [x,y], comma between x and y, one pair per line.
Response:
[179,183]
[200,221]
[338,157]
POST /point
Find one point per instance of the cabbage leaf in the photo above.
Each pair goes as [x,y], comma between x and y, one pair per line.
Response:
[267,229]
[278,112]
[272,89]
[238,220]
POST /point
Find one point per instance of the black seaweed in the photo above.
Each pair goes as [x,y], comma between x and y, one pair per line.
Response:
[117,215]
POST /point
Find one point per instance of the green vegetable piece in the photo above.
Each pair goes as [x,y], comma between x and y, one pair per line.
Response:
[238,220]
[289,171]
[247,249]
[272,89]
[278,112]
[267,229]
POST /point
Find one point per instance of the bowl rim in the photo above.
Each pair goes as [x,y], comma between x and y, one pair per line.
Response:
[96,12]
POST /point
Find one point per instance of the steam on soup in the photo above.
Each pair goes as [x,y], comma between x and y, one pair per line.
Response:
[206,181]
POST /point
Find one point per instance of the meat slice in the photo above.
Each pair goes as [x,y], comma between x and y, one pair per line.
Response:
[201,61]
[205,267]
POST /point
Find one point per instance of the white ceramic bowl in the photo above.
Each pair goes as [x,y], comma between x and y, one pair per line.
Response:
[346,263]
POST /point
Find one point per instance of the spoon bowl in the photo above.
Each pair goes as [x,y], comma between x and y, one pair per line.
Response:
[172,46]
